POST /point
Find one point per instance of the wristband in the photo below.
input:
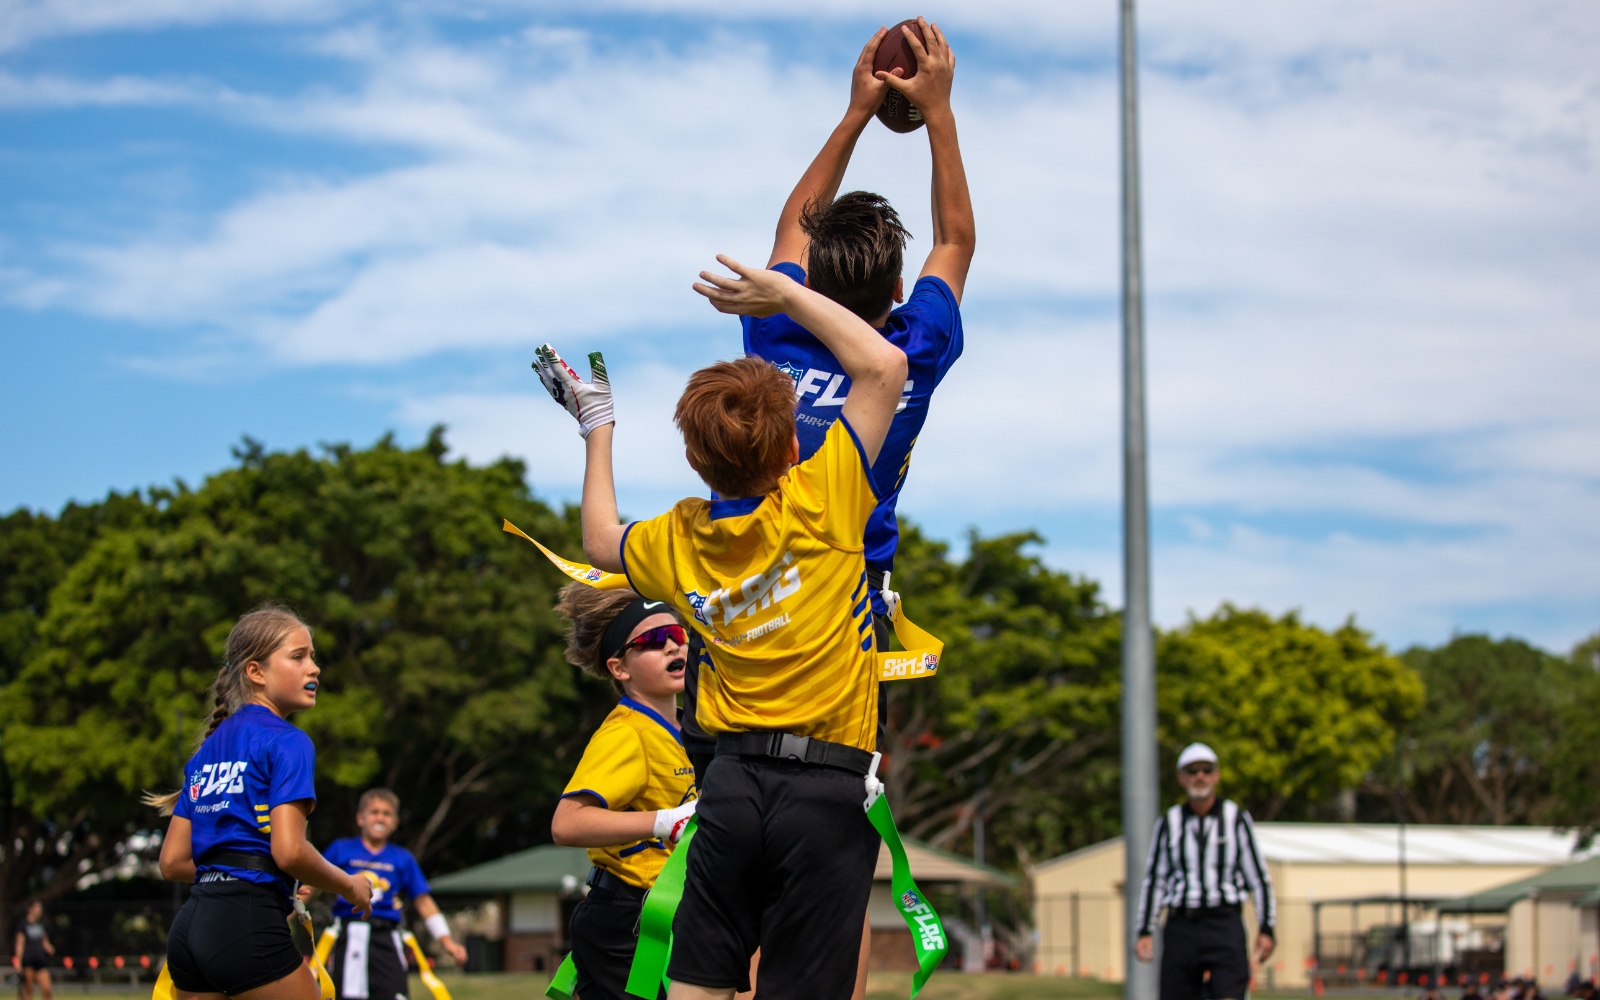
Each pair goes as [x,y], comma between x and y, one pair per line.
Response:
[438,926]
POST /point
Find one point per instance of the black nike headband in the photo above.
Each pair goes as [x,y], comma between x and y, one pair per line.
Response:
[628,619]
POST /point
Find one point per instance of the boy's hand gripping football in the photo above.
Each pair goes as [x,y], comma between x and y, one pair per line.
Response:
[588,402]
[755,292]
[929,89]
[867,89]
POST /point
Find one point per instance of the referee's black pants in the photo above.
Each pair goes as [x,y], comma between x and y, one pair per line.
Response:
[1197,941]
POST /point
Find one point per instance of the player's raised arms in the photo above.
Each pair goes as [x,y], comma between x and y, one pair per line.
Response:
[954,231]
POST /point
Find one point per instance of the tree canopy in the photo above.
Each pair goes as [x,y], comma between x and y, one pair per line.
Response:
[442,673]
[444,680]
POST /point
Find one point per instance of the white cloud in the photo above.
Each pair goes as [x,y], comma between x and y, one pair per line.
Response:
[26,21]
[1371,233]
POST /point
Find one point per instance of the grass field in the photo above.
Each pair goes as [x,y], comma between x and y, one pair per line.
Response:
[880,986]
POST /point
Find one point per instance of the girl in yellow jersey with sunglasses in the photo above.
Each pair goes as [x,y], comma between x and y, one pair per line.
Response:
[634,790]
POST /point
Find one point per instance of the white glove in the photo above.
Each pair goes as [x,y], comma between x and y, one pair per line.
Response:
[874,784]
[891,599]
[588,402]
[670,822]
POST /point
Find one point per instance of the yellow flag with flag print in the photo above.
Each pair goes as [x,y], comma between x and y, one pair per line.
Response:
[919,659]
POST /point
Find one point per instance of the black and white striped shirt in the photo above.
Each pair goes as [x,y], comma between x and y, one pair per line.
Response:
[1208,860]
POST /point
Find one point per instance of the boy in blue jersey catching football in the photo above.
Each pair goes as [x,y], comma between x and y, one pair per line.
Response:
[370,961]
[851,250]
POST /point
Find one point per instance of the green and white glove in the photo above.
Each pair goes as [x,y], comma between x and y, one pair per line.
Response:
[588,402]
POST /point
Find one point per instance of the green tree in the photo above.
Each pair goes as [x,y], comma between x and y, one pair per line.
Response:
[1483,749]
[1019,725]
[35,552]
[1573,762]
[1587,653]
[442,670]
[1296,714]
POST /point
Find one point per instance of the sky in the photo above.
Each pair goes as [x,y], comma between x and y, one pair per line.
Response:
[1372,236]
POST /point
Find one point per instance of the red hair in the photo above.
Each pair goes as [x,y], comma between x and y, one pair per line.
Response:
[737,419]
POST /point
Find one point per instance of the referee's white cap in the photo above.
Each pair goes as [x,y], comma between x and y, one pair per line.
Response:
[1194,753]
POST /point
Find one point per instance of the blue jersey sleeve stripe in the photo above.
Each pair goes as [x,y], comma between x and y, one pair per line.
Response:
[866,466]
[587,791]
[641,845]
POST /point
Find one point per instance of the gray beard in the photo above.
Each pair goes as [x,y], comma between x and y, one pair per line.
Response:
[1198,796]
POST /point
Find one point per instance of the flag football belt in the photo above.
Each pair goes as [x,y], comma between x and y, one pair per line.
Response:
[787,746]
[599,878]
[378,923]
[242,859]
[920,657]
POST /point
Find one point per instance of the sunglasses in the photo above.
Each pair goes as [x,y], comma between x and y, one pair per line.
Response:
[1200,769]
[656,638]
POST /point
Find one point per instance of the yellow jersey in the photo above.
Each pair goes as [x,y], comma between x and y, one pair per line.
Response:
[634,762]
[777,586]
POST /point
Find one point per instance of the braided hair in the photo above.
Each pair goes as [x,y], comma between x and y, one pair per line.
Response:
[252,640]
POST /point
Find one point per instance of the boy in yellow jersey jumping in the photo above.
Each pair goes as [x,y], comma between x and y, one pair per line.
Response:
[774,578]
[633,792]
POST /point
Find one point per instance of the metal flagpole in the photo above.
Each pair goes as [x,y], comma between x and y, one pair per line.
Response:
[1140,790]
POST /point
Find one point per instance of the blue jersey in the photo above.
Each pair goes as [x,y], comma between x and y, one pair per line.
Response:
[395,876]
[927,328]
[253,762]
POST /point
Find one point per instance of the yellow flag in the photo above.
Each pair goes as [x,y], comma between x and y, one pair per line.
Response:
[164,988]
[325,944]
[599,579]
[921,658]
[431,981]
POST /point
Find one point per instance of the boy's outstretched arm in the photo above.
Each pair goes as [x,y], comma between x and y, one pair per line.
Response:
[954,231]
[821,180]
[589,403]
[876,368]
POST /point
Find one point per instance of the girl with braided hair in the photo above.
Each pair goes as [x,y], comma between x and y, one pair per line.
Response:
[634,789]
[238,829]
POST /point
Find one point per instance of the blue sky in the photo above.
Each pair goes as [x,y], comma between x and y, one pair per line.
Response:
[1373,232]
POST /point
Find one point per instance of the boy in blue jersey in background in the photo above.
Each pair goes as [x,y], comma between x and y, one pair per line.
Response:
[852,251]
[370,962]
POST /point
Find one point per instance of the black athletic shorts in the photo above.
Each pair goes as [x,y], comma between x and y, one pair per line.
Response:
[231,936]
[1196,942]
[605,930]
[36,962]
[782,860]
[384,959]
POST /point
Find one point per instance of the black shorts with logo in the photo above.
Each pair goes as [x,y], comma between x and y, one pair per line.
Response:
[782,860]
[231,936]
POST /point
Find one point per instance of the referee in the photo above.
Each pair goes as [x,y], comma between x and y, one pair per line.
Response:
[1203,857]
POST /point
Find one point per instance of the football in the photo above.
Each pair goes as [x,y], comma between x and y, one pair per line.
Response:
[896,51]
